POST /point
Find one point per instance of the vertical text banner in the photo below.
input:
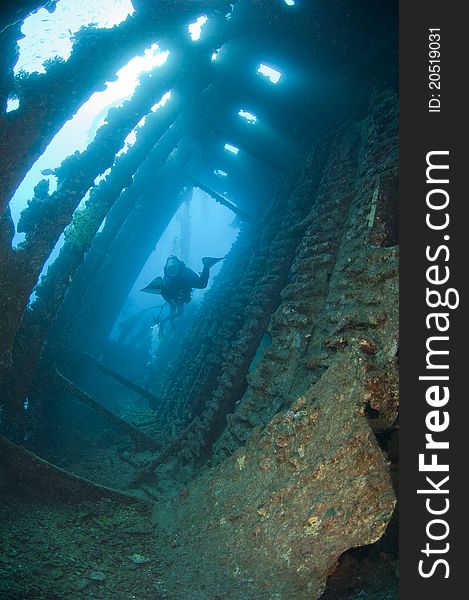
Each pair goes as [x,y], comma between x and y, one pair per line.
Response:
[434,353]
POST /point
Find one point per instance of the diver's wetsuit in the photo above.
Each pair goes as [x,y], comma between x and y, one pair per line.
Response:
[177,290]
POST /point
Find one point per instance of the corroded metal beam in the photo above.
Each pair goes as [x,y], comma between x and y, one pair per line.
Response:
[39,478]
[141,440]
[154,401]
[221,199]
[48,100]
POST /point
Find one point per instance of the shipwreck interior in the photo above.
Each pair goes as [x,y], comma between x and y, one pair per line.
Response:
[254,453]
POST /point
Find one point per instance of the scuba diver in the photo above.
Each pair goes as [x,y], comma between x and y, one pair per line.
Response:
[176,287]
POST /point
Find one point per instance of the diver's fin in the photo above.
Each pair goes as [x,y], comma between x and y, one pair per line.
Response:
[208,261]
[152,288]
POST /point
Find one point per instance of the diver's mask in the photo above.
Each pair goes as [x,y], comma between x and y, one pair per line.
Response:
[172,266]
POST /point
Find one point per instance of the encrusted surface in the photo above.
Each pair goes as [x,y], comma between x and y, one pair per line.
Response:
[278,514]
